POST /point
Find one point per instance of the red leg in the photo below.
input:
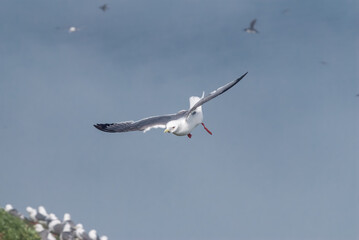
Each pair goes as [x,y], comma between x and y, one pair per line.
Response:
[206,129]
[189,135]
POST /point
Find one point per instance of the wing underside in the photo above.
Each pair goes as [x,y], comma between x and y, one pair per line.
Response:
[141,125]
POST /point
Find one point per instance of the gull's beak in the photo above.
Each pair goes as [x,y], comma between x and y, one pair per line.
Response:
[166,130]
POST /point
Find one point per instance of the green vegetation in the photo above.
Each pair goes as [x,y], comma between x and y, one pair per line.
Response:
[12,228]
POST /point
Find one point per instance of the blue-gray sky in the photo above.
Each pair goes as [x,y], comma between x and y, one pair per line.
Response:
[281,163]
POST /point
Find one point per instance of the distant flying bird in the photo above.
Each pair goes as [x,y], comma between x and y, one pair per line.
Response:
[104,7]
[251,28]
[70,29]
[324,62]
[180,124]
[285,11]
[73,29]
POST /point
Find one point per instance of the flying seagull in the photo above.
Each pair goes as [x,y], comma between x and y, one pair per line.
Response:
[103,7]
[70,29]
[251,28]
[180,124]
[285,11]
[73,29]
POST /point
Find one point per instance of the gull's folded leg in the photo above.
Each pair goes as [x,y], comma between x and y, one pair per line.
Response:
[189,135]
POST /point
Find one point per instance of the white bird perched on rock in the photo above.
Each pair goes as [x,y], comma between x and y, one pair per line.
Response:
[67,233]
[82,234]
[10,209]
[180,124]
[42,210]
[51,217]
[93,235]
[44,233]
[55,226]
[35,216]
[67,219]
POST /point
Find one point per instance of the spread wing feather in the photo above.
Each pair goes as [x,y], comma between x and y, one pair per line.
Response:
[252,23]
[141,125]
[215,93]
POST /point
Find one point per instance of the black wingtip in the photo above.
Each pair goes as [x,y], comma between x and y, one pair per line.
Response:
[242,77]
[102,127]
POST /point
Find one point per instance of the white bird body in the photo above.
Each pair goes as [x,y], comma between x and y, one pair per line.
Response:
[56,226]
[32,213]
[73,29]
[10,209]
[93,235]
[184,126]
[67,233]
[44,233]
[42,210]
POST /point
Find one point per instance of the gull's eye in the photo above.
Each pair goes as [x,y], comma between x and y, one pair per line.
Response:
[173,127]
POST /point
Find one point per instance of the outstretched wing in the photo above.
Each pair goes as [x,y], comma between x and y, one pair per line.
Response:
[141,125]
[214,94]
[252,23]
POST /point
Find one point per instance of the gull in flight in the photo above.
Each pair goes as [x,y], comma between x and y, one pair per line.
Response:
[180,124]
[70,29]
[104,7]
[251,28]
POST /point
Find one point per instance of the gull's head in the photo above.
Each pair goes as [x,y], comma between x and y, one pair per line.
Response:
[93,234]
[171,127]
[30,210]
[67,217]
[52,216]
[79,226]
[39,228]
[42,210]
[8,207]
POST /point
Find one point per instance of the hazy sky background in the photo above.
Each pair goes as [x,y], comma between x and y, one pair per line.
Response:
[281,163]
